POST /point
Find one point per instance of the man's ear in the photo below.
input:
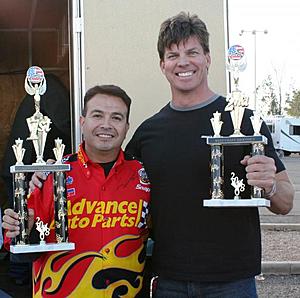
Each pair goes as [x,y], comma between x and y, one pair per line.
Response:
[208,60]
[81,120]
[162,66]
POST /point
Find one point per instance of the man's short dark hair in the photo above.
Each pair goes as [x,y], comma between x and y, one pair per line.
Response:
[180,28]
[107,90]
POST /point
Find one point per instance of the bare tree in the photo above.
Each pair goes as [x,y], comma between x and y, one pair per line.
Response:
[294,104]
[268,103]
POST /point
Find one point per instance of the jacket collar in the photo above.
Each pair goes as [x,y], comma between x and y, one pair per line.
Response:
[85,162]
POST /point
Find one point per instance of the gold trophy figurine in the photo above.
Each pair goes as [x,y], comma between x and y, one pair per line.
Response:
[38,124]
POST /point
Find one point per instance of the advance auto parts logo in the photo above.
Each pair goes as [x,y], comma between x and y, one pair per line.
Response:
[104,214]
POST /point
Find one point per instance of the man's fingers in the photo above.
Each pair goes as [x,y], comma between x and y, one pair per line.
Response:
[30,218]
[11,223]
[260,171]
[31,213]
[12,234]
[261,159]
[244,161]
[11,213]
[10,219]
[37,180]
[50,161]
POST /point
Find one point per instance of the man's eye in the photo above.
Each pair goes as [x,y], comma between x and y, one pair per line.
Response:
[194,53]
[117,118]
[171,56]
[97,116]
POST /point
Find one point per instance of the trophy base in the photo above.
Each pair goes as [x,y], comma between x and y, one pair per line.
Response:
[40,168]
[236,140]
[255,202]
[43,247]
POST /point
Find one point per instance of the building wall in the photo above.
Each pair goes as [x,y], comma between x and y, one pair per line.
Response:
[120,47]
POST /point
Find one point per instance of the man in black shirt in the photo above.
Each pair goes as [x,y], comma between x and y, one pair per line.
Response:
[200,251]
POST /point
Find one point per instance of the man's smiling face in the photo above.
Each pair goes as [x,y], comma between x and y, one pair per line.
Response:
[185,66]
[104,127]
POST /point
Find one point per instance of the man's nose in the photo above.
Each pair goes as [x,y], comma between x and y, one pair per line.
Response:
[105,123]
[183,60]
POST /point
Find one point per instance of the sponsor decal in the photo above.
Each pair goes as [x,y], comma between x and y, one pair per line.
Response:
[143,177]
[69,180]
[65,159]
[71,192]
[142,187]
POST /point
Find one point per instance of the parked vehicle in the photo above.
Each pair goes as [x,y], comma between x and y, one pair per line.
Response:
[285,133]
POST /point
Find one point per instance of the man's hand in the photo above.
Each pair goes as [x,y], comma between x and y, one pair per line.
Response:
[11,222]
[261,171]
[38,178]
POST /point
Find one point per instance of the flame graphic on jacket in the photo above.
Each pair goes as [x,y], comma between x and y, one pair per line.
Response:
[107,275]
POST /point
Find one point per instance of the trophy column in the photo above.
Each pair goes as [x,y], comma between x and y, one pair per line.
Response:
[60,207]
[257,149]
[216,175]
[20,206]
[39,126]
[20,200]
[60,197]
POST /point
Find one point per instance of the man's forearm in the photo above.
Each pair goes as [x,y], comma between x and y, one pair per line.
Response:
[282,199]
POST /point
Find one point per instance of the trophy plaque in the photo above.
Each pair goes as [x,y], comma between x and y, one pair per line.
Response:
[39,126]
[236,104]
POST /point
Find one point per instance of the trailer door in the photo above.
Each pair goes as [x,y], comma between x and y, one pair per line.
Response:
[77,67]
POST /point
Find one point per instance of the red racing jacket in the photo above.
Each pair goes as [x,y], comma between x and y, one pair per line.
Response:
[107,223]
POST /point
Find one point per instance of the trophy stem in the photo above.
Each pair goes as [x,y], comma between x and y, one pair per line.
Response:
[20,207]
[257,149]
[216,175]
[60,205]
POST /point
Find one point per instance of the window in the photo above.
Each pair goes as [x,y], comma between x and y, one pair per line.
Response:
[271,127]
[295,130]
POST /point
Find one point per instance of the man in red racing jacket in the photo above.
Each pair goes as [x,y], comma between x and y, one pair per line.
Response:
[108,195]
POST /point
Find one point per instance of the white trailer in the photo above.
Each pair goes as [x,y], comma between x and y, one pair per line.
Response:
[285,133]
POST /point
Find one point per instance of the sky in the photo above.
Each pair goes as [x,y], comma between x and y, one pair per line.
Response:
[277,51]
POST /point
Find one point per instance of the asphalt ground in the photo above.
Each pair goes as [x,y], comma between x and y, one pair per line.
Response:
[292,164]
[282,250]
[278,286]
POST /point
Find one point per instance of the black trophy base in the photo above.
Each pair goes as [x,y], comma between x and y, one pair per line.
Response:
[42,247]
[254,202]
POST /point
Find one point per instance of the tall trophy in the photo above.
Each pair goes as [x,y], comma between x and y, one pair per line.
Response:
[39,126]
[236,104]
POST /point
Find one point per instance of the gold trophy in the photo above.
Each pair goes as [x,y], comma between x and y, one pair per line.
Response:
[39,126]
[236,104]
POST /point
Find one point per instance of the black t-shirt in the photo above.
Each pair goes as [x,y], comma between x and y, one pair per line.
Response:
[193,242]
